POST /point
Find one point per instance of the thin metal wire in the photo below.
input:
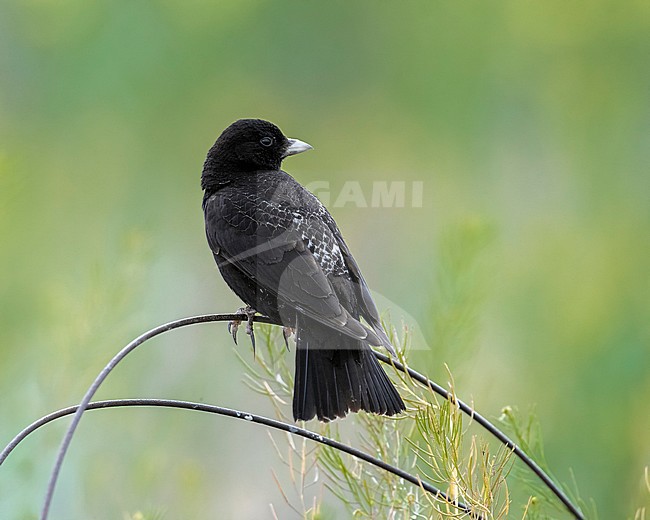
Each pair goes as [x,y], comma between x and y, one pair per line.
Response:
[65,444]
[249,417]
[502,437]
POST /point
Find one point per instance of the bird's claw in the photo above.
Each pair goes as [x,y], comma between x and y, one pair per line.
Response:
[286,334]
[233,325]
[249,329]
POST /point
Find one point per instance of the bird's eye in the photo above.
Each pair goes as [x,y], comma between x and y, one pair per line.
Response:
[266,141]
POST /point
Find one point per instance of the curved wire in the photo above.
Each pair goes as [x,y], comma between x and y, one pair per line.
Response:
[502,437]
[246,416]
[65,444]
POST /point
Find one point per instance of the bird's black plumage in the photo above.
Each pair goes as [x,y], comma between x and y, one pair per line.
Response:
[280,251]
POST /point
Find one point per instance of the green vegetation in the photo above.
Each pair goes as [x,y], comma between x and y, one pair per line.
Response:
[433,439]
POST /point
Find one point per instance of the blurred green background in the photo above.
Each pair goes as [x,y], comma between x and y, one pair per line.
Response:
[526,268]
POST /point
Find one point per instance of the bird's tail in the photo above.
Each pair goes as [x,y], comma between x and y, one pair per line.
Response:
[336,374]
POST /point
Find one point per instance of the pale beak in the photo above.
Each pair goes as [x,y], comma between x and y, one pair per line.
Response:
[296,146]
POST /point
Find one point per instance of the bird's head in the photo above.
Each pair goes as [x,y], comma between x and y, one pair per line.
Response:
[250,145]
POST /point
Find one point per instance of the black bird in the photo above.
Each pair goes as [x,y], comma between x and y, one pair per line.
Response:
[281,252]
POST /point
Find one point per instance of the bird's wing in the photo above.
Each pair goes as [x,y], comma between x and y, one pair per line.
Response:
[367,306]
[263,240]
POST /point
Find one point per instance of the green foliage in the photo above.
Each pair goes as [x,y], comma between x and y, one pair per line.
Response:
[457,292]
[433,439]
[525,431]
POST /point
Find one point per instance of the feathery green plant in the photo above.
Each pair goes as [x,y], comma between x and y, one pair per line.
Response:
[526,432]
[432,439]
[458,290]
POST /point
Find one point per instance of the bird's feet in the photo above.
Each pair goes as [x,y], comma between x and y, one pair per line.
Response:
[233,325]
[286,334]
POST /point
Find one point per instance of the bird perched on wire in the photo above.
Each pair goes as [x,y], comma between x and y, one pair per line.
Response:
[279,249]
